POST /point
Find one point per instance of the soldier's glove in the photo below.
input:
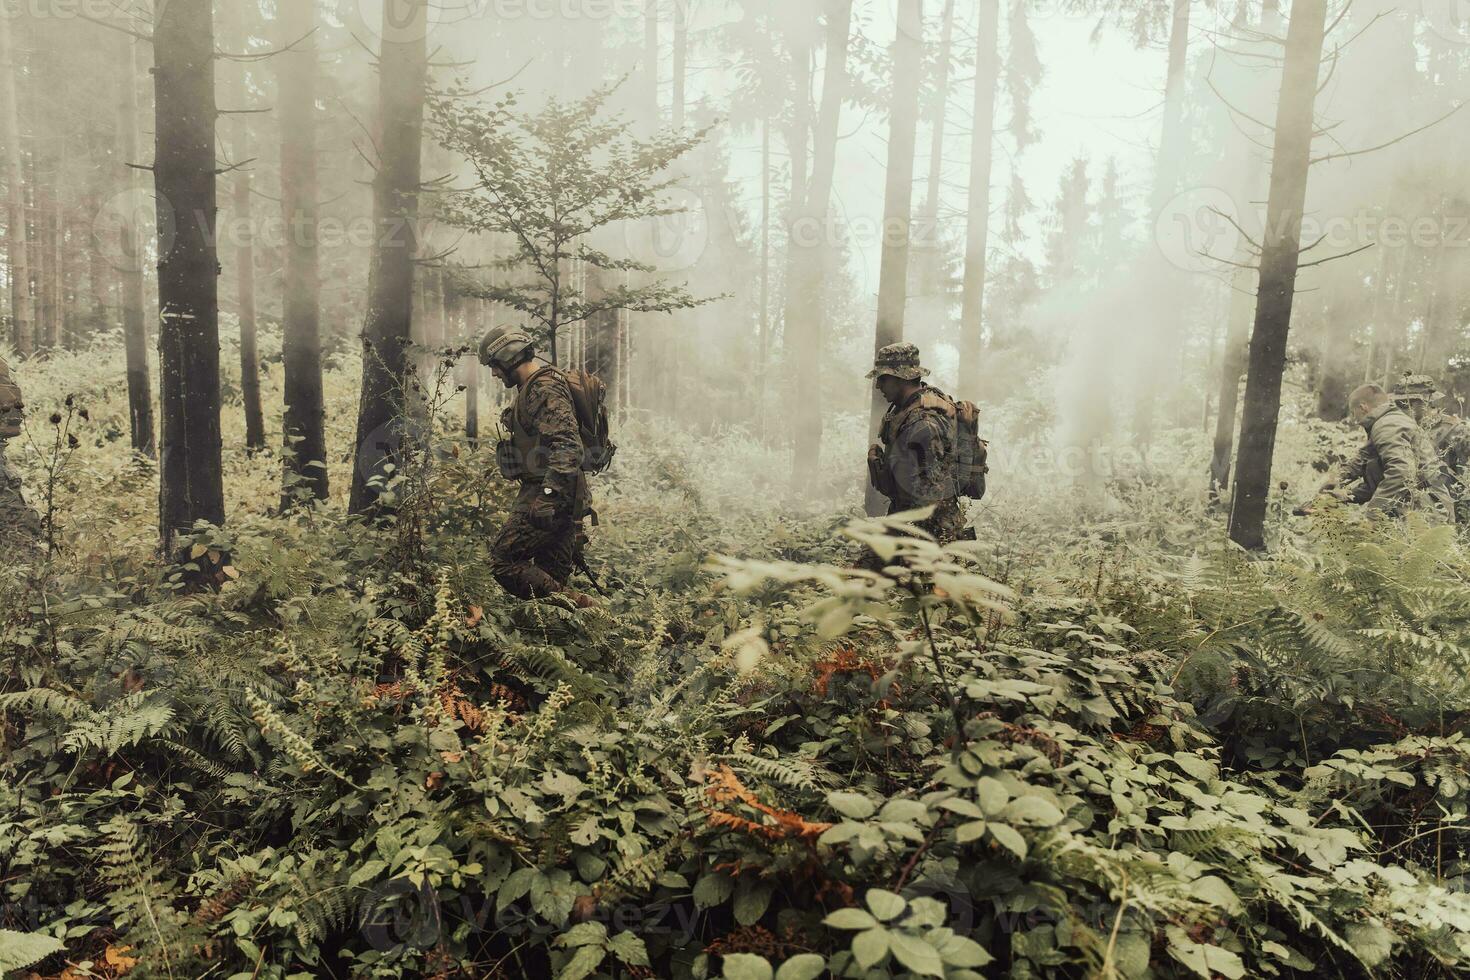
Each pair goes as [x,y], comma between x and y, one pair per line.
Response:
[878,468]
[544,513]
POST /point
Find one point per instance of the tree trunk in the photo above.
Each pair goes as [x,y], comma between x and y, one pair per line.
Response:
[977,221]
[931,256]
[243,226]
[135,323]
[808,253]
[44,205]
[1232,366]
[1280,258]
[190,484]
[898,195]
[763,342]
[403,69]
[1334,383]
[16,253]
[304,418]
[1172,151]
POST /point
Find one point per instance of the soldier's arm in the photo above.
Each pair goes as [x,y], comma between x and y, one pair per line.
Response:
[1352,469]
[1400,463]
[558,435]
[929,441]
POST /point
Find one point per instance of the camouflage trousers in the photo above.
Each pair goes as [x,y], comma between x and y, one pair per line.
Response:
[529,561]
[20,528]
[946,525]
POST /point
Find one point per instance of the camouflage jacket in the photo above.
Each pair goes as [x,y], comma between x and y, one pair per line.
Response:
[1404,456]
[20,528]
[546,440]
[918,464]
[1451,436]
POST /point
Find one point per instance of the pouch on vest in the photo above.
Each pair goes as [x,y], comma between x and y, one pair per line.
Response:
[971,452]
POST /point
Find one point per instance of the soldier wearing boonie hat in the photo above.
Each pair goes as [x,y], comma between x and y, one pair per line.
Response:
[913,464]
[1420,397]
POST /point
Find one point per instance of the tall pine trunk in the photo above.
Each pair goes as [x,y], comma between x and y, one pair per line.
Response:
[190,485]
[808,253]
[898,195]
[244,226]
[135,322]
[931,258]
[977,221]
[16,245]
[403,70]
[304,417]
[1167,173]
[1232,366]
[1291,161]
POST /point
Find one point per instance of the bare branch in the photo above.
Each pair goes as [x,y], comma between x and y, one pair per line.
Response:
[1397,139]
[1334,258]
[263,55]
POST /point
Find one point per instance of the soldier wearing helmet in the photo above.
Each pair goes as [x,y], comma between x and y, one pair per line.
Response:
[913,464]
[536,550]
[20,528]
[1420,397]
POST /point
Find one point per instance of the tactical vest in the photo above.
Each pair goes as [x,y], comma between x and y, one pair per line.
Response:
[930,399]
[521,457]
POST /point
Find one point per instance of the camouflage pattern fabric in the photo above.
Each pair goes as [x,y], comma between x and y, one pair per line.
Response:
[917,468]
[529,560]
[20,527]
[1451,437]
[1398,469]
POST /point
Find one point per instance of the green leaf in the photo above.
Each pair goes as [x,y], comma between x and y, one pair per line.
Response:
[852,805]
[629,948]
[583,964]
[751,901]
[1371,940]
[22,949]
[967,832]
[1214,891]
[712,889]
[884,904]
[916,954]
[904,811]
[870,948]
[515,887]
[583,934]
[992,795]
[746,966]
[963,951]
[807,966]
[1204,959]
[850,919]
[1033,810]
[1009,838]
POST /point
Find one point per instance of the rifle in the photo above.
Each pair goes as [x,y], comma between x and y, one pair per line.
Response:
[581,562]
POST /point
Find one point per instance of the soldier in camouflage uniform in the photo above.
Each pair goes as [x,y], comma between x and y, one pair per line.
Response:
[1398,469]
[1420,397]
[536,551]
[20,528]
[913,465]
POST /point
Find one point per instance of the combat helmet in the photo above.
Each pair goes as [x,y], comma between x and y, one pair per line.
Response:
[505,347]
[1416,387]
[899,361]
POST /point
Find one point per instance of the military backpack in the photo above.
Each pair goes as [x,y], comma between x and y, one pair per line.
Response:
[971,452]
[589,397]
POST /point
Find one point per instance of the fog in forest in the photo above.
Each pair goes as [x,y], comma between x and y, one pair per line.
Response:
[1062,204]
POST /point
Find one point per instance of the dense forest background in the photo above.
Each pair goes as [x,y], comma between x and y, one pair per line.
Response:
[265,713]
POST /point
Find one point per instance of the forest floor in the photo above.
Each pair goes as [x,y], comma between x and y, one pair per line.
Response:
[1096,742]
